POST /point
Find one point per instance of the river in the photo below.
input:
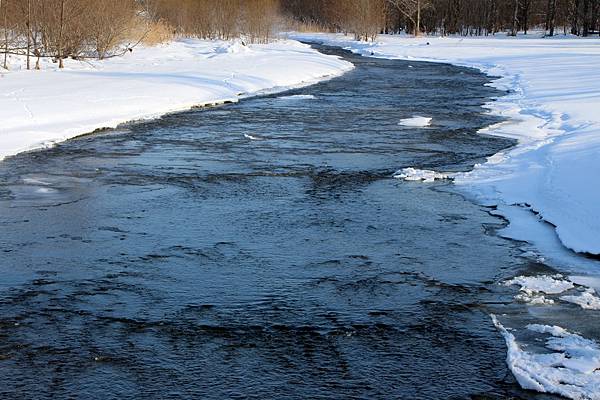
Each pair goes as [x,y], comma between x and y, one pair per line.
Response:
[262,250]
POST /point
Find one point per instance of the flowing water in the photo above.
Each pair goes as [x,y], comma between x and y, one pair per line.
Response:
[261,250]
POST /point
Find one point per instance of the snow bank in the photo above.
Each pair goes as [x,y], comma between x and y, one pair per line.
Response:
[553,110]
[425,175]
[572,370]
[415,121]
[39,108]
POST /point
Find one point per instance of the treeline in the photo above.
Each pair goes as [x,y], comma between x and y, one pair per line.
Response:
[63,28]
[80,29]
[445,17]
[218,19]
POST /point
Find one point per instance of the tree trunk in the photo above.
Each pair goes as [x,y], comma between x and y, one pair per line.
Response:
[575,18]
[28,33]
[515,23]
[6,47]
[551,15]
[5,36]
[586,17]
[418,22]
[60,34]
[526,6]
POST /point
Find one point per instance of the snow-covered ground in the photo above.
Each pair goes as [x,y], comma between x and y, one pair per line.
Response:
[39,108]
[554,112]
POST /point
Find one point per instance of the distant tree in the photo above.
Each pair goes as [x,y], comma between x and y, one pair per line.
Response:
[411,9]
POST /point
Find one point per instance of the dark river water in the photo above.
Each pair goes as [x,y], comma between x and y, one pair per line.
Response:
[261,250]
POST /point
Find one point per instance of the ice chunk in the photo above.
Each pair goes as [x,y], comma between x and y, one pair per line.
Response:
[416,121]
[587,300]
[425,175]
[571,371]
[532,285]
[533,299]
[298,97]
[247,136]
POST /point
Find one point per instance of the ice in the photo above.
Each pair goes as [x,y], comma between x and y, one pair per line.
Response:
[533,285]
[415,121]
[534,299]
[247,136]
[586,300]
[570,371]
[298,97]
[414,174]
[582,355]
[35,181]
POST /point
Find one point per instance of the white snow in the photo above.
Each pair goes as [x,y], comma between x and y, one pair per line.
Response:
[298,97]
[572,370]
[534,299]
[425,175]
[533,288]
[533,285]
[586,300]
[416,121]
[553,110]
[40,108]
[251,137]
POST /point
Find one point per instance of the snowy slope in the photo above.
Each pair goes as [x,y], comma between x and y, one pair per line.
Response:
[38,108]
[554,111]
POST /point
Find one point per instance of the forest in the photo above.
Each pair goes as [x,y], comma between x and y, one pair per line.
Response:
[83,29]
[367,18]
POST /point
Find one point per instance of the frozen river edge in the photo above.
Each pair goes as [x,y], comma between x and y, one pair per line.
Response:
[41,108]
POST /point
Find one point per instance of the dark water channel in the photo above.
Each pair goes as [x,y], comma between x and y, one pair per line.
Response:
[261,250]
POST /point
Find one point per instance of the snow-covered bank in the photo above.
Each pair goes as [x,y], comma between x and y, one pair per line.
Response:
[570,369]
[38,108]
[553,113]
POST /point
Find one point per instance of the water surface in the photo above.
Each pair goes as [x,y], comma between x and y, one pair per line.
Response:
[261,250]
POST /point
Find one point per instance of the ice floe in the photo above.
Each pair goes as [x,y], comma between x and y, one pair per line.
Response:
[416,121]
[534,285]
[586,300]
[297,97]
[425,175]
[572,370]
[247,136]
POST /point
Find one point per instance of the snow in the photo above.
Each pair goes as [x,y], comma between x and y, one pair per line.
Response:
[298,97]
[541,284]
[415,121]
[425,175]
[533,288]
[251,137]
[586,300]
[40,108]
[552,108]
[534,299]
[570,371]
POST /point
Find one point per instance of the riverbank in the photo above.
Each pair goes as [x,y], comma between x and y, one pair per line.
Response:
[40,108]
[551,107]
[543,186]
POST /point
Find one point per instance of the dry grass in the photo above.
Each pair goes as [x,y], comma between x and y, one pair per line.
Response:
[150,33]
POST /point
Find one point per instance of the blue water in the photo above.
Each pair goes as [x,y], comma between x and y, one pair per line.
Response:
[180,259]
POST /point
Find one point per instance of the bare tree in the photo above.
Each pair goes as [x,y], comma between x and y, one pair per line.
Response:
[411,9]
